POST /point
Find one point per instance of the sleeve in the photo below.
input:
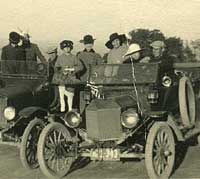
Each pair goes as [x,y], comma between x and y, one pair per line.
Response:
[3,54]
[78,66]
[57,64]
[39,54]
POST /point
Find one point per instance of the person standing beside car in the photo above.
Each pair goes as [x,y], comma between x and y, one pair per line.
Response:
[66,68]
[31,49]
[53,56]
[13,51]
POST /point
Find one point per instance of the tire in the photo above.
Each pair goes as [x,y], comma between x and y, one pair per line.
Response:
[187,102]
[160,147]
[54,150]
[198,140]
[28,147]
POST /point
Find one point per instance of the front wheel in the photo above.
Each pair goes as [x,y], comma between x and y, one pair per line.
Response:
[160,151]
[55,150]
[28,148]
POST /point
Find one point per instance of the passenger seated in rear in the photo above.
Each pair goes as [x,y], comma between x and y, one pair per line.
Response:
[117,48]
[134,54]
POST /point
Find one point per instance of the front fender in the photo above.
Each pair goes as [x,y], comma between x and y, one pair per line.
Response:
[29,111]
[174,127]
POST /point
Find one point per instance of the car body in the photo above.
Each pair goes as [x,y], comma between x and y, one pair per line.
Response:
[24,97]
[129,111]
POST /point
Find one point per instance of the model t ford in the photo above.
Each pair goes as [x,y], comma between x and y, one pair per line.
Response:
[130,112]
[24,102]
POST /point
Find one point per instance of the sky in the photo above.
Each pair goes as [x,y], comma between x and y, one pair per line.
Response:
[51,21]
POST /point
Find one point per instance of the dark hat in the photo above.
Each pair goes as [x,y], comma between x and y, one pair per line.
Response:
[114,36]
[66,43]
[87,39]
[14,37]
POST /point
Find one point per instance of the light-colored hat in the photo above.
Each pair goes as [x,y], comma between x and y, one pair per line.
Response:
[133,48]
[51,49]
[158,44]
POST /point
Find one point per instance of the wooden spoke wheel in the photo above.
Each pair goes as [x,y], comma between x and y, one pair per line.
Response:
[160,151]
[28,148]
[55,150]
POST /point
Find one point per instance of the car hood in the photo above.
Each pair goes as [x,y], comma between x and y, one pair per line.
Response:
[14,90]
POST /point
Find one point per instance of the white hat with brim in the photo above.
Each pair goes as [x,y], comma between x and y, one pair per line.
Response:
[133,48]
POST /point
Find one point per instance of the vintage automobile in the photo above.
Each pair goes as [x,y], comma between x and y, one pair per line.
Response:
[24,99]
[130,112]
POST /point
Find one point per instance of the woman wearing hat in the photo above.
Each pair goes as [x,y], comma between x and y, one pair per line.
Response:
[88,56]
[118,48]
[67,66]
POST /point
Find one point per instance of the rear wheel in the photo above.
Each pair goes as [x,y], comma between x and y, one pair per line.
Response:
[160,151]
[28,148]
[55,150]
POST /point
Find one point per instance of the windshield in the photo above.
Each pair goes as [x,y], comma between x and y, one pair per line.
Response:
[25,68]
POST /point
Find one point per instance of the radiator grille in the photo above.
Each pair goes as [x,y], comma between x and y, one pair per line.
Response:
[103,120]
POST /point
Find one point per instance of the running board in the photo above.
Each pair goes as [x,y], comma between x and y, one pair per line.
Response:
[191,133]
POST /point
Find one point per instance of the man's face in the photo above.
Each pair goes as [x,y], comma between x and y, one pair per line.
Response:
[88,47]
[116,43]
[157,52]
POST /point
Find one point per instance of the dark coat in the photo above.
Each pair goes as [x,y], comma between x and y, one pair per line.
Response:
[33,52]
[88,59]
[12,53]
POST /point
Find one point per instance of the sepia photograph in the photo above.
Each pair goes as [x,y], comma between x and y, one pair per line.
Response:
[99,89]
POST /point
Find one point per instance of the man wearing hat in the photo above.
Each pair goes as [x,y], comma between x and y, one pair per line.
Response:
[88,56]
[159,56]
[31,49]
[13,51]
[67,65]
[117,48]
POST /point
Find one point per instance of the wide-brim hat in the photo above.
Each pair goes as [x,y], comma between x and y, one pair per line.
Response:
[133,48]
[87,39]
[14,37]
[66,43]
[121,37]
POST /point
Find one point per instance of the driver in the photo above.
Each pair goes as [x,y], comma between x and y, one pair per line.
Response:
[159,55]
